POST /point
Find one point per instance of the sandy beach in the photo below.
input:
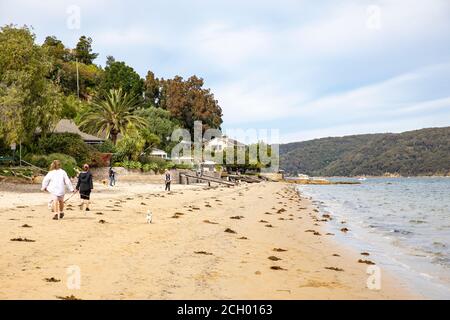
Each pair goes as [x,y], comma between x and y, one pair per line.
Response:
[258,241]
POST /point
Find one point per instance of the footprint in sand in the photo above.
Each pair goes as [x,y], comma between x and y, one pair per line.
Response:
[26,226]
[51,280]
[345,230]
[102,221]
[228,230]
[243,238]
[269,226]
[237,217]
[263,221]
[279,250]
[365,254]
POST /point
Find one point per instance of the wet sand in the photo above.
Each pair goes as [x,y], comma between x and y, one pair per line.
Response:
[256,241]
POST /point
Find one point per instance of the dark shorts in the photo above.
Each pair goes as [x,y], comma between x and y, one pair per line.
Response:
[85,195]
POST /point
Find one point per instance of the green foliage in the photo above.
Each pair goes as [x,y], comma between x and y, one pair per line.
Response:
[89,77]
[106,147]
[420,152]
[161,125]
[68,163]
[118,75]
[28,98]
[83,51]
[131,146]
[150,167]
[113,115]
[38,87]
[129,164]
[251,155]
[70,144]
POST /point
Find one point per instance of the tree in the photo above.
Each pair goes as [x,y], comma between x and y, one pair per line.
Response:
[89,79]
[118,75]
[188,102]
[161,125]
[152,90]
[83,51]
[28,98]
[113,115]
[56,49]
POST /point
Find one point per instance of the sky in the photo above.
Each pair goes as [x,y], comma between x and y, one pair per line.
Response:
[308,69]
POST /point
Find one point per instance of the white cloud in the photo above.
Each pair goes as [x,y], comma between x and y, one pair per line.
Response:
[251,100]
[130,36]
[228,46]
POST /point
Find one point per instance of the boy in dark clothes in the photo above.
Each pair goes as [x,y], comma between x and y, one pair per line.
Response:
[85,185]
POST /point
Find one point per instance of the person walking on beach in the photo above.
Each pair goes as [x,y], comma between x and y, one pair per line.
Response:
[112,177]
[168,179]
[55,182]
[84,186]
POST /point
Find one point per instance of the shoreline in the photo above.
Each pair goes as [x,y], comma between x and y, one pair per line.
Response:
[420,278]
[189,252]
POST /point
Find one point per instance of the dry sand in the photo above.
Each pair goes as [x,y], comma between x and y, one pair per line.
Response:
[185,253]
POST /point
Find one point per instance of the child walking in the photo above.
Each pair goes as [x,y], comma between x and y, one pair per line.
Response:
[55,182]
[84,186]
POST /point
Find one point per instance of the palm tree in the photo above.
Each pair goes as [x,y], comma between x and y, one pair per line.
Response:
[113,115]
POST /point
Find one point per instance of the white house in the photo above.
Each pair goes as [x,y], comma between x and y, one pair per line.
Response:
[222,143]
[159,153]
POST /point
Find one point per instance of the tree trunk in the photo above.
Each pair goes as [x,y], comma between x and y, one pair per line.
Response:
[114,137]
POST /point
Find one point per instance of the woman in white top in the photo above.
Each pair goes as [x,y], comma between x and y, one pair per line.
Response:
[55,182]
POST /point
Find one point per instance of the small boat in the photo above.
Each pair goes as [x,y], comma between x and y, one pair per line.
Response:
[362,179]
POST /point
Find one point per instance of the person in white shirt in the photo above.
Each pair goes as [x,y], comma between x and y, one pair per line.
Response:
[55,183]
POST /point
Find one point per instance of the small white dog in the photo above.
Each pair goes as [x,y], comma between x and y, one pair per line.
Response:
[149,216]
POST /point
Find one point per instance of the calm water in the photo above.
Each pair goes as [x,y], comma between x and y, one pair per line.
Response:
[403,222]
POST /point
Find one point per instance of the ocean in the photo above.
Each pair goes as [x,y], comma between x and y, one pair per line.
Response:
[403,222]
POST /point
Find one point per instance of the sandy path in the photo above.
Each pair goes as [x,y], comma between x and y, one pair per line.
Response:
[125,258]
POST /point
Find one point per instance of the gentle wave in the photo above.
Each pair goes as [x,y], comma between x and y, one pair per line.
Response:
[405,221]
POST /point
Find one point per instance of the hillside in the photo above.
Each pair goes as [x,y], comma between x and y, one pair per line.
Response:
[419,152]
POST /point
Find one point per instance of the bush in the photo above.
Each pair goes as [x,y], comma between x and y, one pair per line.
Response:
[73,145]
[106,147]
[129,164]
[68,163]
[150,167]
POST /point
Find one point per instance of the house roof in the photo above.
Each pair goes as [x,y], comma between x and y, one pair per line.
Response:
[68,126]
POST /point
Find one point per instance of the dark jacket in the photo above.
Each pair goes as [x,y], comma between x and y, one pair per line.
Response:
[85,181]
